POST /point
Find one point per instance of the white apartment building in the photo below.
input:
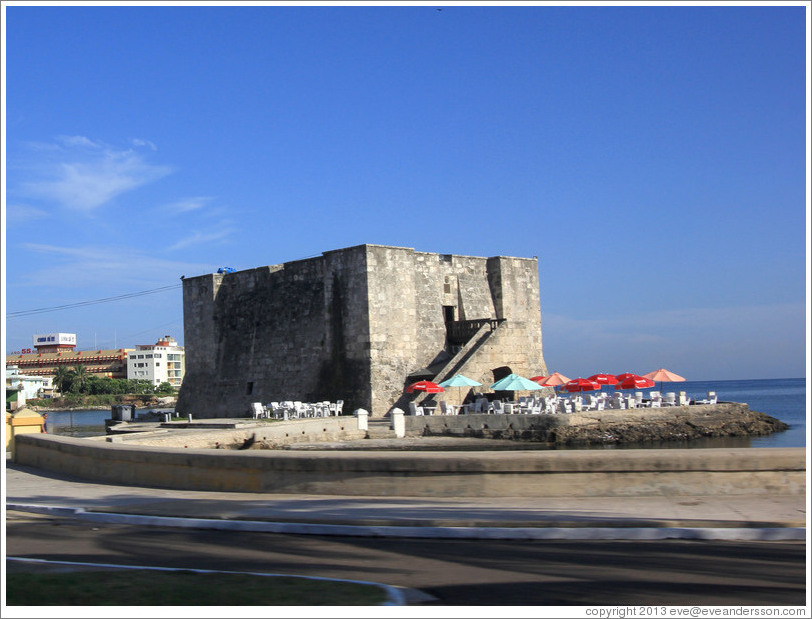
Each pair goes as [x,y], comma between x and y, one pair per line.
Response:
[161,362]
[26,387]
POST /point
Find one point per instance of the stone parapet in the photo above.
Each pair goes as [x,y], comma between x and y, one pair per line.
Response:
[556,473]
[261,434]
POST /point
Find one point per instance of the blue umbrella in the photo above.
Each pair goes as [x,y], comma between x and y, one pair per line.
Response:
[459,381]
[514,382]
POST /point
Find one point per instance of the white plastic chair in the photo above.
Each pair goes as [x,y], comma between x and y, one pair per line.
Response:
[414,409]
[448,409]
[656,399]
[670,399]
[618,402]
[683,399]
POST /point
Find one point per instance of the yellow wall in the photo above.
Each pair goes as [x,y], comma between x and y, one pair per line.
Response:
[24,421]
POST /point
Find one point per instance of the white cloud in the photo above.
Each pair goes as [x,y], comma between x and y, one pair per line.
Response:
[199,238]
[140,142]
[22,213]
[78,267]
[77,141]
[188,204]
[84,175]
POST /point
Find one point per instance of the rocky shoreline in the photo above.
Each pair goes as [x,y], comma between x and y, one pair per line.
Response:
[750,425]
[677,424]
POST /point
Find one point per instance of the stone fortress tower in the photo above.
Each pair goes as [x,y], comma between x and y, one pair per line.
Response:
[357,324]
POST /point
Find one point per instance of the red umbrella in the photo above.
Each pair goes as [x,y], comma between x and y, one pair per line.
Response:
[625,375]
[664,376]
[604,379]
[632,381]
[553,380]
[581,384]
[424,385]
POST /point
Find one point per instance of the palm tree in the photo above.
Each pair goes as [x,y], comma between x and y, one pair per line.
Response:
[80,378]
[63,377]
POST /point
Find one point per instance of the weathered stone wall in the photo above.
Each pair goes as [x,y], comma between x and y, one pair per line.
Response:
[352,324]
[493,288]
[296,331]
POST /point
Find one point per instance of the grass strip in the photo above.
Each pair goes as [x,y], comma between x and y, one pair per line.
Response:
[122,587]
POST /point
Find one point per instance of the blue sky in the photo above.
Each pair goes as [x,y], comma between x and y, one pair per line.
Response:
[654,158]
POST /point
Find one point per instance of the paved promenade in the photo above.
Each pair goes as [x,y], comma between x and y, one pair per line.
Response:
[680,517]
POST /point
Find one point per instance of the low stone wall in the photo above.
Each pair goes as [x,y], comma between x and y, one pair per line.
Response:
[605,427]
[261,434]
[555,473]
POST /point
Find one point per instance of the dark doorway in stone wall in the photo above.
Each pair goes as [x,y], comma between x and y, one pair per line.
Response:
[449,316]
[249,389]
[500,373]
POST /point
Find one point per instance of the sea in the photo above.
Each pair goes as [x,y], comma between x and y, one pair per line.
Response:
[783,398]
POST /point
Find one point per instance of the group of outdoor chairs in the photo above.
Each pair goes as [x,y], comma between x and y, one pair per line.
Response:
[555,404]
[290,409]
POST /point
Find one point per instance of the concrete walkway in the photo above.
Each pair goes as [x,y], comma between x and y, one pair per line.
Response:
[679,517]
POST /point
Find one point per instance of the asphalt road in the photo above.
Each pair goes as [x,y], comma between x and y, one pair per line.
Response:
[456,572]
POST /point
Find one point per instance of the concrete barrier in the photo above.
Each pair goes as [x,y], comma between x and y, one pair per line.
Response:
[557,473]
[210,435]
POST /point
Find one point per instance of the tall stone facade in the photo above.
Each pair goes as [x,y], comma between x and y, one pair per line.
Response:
[356,324]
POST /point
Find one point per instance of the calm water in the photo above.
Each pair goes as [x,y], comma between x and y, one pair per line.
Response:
[83,423]
[784,399]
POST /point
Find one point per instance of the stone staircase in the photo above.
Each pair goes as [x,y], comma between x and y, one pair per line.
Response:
[466,353]
[380,428]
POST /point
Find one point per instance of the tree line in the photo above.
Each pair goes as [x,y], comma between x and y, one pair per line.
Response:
[79,381]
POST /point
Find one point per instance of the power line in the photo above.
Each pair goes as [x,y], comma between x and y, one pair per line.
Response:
[55,308]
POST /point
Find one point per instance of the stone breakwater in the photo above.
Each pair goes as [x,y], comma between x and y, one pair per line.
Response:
[675,423]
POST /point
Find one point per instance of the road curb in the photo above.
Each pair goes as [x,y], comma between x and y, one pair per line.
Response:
[631,532]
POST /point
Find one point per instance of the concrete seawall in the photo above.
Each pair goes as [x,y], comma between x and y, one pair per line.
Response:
[574,473]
